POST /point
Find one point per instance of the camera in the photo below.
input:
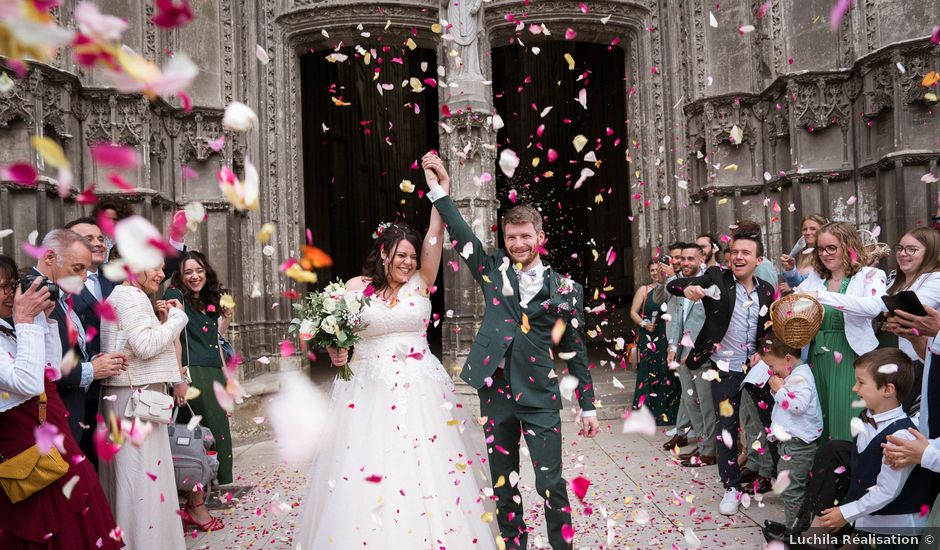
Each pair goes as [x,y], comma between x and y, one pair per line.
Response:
[27,281]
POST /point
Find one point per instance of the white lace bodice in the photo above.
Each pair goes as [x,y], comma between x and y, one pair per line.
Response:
[394,346]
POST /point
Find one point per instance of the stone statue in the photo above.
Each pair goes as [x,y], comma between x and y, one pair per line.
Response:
[465,17]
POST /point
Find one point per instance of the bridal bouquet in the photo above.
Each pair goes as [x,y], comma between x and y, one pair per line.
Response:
[331,318]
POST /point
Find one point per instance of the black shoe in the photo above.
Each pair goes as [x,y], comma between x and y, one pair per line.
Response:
[775,531]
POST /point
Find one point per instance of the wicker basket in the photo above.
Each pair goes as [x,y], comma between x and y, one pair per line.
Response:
[796,319]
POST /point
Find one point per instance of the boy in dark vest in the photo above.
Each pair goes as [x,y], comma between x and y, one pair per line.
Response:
[882,500]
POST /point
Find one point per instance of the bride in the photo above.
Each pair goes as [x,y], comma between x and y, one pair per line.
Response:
[405,466]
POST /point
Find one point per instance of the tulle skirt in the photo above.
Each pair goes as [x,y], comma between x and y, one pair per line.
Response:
[404,467]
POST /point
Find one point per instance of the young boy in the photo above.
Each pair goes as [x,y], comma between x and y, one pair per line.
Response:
[882,500]
[796,419]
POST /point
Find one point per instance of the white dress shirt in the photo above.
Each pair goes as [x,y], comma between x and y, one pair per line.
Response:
[796,405]
[887,487]
[24,360]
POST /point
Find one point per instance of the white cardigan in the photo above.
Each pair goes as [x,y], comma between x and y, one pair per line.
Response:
[859,305]
[148,343]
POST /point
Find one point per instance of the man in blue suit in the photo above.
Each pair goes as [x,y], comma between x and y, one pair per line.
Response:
[97,289]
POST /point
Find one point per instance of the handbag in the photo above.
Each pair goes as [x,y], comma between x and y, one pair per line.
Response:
[192,463]
[150,405]
[31,471]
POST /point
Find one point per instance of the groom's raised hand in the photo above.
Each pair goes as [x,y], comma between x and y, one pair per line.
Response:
[590,427]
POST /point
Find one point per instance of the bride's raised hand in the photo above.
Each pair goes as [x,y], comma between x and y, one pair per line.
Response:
[338,356]
[432,162]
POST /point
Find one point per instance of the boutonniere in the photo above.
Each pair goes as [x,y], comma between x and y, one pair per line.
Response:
[565,286]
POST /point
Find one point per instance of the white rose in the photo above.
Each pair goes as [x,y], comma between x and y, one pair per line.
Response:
[329,325]
[352,303]
[329,305]
[308,329]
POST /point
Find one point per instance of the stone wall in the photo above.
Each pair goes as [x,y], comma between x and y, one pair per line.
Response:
[825,116]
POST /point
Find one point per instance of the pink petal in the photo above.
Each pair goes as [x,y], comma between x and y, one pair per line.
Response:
[217,144]
[22,173]
[838,10]
[118,156]
[106,224]
[48,436]
[374,478]
[189,174]
[121,183]
[935,35]
[579,486]
[225,400]
[172,13]
[838,357]
[287,348]
[34,251]
[570,34]
[105,311]
[840,470]
[187,102]
[567,532]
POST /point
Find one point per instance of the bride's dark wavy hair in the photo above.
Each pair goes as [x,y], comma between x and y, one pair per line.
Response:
[388,241]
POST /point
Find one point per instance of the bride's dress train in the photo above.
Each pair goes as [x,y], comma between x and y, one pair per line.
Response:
[403,468]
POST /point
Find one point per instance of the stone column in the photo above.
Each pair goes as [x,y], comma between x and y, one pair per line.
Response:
[468,148]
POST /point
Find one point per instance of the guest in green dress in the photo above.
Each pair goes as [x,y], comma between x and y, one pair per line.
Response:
[851,295]
[657,387]
[197,286]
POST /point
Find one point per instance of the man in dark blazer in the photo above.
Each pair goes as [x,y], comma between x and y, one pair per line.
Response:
[96,290]
[511,363]
[737,312]
[66,260]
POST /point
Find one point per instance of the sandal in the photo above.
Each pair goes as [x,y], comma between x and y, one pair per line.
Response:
[214,524]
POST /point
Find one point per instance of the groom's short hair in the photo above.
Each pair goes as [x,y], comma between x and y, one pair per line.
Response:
[523,214]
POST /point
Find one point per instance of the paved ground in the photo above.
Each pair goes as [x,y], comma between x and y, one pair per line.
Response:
[640,497]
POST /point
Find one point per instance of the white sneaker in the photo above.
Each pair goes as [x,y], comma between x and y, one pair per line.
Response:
[672,432]
[729,504]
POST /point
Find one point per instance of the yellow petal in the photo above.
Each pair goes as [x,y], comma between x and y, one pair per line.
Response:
[725,409]
[411,44]
[525,324]
[50,151]
[227,301]
[598,199]
[579,142]
[499,482]
[570,61]
[722,201]
[486,279]
[436,28]
[453,422]
[487,517]
[535,162]
[416,85]
[732,167]
[265,234]
[406,186]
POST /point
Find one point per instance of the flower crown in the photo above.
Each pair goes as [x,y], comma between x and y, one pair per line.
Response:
[381,229]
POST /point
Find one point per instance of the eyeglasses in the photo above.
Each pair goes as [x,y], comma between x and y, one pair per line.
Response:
[906,250]
[828,250]
[8,288]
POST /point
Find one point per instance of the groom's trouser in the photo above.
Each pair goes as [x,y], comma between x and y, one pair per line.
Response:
[506,423]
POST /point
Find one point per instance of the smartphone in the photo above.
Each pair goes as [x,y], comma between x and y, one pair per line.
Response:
[906,301]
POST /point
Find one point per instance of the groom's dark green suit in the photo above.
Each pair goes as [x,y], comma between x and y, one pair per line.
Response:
[511,366]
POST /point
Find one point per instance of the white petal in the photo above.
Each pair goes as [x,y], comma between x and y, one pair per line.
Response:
[298,398]
[133,236]
[261,54]
[239,117]
[508,162]
[640,422]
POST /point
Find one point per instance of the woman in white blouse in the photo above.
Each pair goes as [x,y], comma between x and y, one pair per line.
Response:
[140,483]
[918,257]
[851,293]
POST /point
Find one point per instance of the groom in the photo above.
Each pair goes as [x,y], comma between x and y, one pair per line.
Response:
[511,364]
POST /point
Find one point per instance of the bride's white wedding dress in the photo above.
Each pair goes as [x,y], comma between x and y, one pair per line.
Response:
[403,467]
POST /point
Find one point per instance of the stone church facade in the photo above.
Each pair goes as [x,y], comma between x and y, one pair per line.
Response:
[831,121]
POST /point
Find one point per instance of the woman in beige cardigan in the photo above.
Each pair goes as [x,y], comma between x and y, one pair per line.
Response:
[139,482]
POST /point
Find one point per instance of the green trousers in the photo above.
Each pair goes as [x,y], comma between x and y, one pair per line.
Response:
[506,423]
[213,415]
